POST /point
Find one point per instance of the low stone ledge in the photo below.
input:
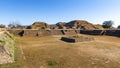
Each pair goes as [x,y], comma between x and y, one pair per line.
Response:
[74,39]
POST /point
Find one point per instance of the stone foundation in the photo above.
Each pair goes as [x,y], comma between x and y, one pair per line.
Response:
[74,39]
[101,32]
[43,32]
[63,32]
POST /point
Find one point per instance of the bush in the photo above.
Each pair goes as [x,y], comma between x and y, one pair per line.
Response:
[52,63]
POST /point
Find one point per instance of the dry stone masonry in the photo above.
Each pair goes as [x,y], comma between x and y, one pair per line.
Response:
[101,32]
[6,48]
[74,39]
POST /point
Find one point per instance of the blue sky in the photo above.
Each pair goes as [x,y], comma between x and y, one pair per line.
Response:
[52,11]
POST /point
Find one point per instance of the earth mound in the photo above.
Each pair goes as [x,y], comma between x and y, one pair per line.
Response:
[61,25]
[98,26]
[81,24]
[40,25]
[75,24]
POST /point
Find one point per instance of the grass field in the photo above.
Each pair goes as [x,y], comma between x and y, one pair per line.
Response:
[51,52]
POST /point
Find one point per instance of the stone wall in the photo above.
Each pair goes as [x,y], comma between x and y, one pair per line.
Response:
[16,32]
[113,32]
[30,33]
[42,32]
[91,32]
[101,32]
[57,32]
[67,32]
[64,32]
[74,39]
[6,48]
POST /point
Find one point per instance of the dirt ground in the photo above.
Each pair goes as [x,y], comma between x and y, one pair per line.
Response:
[51,52]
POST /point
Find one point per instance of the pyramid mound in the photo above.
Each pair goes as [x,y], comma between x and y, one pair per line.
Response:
[98,26]
[39,25]
[75,24]
[81,24]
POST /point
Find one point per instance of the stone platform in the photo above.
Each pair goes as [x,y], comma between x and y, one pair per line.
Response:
[74,39]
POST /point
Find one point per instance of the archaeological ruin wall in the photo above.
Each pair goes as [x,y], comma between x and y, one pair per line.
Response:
[101,32]
[43,32]
[64,32]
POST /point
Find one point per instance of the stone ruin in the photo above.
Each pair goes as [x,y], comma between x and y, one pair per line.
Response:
[75,24]
[74,39]
[40,25]
[7,43]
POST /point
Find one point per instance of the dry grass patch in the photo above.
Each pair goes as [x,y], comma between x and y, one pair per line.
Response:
[51,52]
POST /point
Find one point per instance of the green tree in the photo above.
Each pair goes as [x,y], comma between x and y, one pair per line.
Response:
[2,26]
[14,25]
[107,24]
[118,27]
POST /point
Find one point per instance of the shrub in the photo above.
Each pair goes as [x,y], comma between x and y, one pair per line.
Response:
[52,63]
